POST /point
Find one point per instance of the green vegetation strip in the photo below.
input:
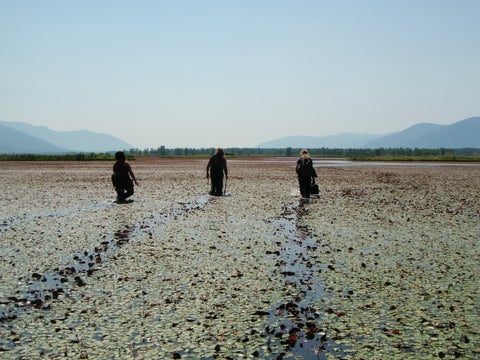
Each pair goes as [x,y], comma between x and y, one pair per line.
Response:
[440,158]
[57,157]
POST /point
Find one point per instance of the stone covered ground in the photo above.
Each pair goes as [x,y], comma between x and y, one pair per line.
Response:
[384,263]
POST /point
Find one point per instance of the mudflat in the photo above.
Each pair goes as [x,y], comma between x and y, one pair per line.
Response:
[384,263]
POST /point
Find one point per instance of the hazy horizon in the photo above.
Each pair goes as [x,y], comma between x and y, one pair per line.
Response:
[231,73]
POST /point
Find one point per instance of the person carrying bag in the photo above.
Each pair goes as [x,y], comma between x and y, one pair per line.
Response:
[306,174]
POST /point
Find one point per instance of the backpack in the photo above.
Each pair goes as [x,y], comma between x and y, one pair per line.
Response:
[304,167]
[216,164]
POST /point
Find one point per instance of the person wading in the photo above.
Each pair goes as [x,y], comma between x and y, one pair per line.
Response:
[216,167]
[122,178]
[305,173]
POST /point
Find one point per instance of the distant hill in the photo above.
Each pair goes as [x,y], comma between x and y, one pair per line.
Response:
[13,141]
[340,141]
[462,134]
[62,141]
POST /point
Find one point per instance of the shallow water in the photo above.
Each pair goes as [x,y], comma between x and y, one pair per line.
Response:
[43,289]
[383,263]
[301,319]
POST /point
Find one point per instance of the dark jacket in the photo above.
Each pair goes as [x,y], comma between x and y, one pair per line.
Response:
[305,168]
[121,174]
[217,165]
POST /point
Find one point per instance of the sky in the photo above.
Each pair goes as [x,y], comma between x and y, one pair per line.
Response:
[203,73]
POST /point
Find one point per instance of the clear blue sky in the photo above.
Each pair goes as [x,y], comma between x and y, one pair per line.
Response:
[237,73]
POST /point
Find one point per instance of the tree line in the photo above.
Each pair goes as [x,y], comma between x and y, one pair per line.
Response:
[317,152]
[441,154]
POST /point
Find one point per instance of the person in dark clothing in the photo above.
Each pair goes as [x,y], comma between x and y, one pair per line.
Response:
[216,167]
[305,173]
[122,178]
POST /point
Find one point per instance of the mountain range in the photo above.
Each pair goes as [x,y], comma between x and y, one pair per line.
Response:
[462,134]
[23,138]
